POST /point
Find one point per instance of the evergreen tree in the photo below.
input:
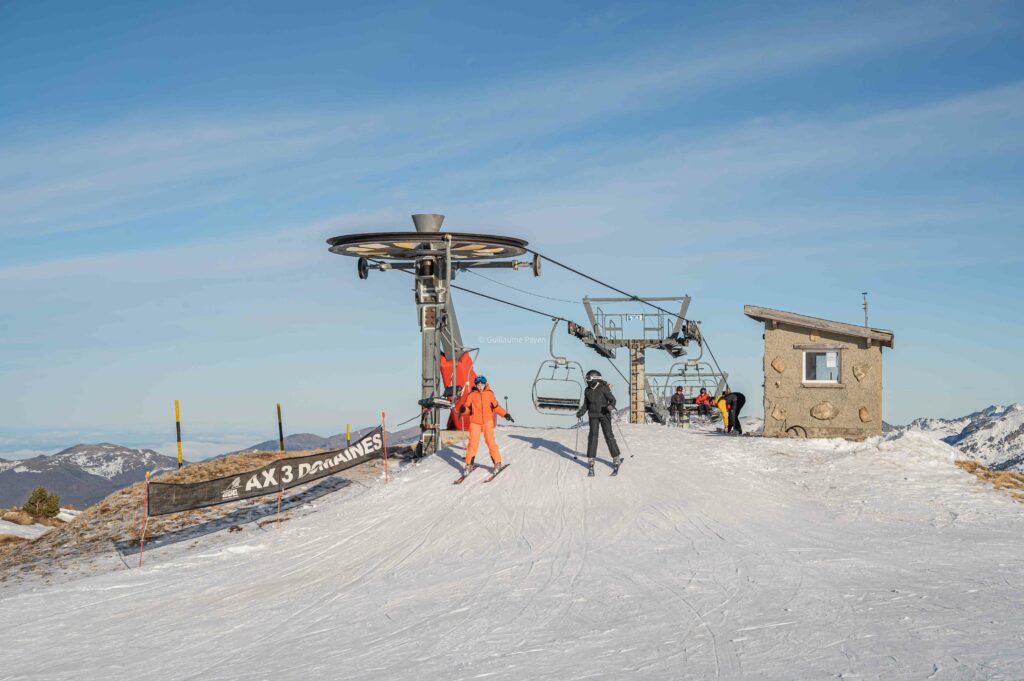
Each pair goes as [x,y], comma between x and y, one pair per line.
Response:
[42,503]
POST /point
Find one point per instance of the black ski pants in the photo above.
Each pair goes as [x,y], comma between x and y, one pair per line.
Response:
[603,423]
[734,419]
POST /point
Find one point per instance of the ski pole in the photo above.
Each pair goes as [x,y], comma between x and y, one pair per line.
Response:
[576,448]
[624,440]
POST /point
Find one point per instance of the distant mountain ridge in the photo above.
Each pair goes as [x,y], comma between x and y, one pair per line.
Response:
[994,436]
[304,441]
[86,473]
[81,475]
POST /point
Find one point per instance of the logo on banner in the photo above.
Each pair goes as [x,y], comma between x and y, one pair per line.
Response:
[232,491]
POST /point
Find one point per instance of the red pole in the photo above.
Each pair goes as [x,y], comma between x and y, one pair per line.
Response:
[145,517]
[384,431]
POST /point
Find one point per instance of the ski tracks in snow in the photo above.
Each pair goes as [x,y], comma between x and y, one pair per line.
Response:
[707,557]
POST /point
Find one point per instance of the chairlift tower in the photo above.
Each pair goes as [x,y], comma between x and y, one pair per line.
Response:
[669,332]
[433,257]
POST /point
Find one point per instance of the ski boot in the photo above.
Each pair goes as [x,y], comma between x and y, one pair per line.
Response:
[590,468]
[616,462]
[467,469]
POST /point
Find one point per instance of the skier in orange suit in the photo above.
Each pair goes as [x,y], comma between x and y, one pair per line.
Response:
[483,408]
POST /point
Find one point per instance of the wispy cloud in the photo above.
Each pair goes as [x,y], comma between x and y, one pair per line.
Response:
[604,187]
[152,164]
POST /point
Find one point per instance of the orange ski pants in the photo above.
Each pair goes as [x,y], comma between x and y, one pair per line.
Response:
[474,442]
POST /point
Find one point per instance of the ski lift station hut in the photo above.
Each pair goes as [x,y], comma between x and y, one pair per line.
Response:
[821,378]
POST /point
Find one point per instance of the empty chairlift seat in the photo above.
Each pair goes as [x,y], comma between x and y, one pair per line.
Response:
[558,387]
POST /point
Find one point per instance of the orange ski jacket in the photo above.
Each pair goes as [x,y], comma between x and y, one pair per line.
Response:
[481,405]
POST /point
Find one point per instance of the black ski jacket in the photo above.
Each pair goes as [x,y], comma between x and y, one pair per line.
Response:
[597,400]
[735,401]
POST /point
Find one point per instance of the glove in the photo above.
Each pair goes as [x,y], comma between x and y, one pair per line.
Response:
[462,410]
[580,413]
[508,417]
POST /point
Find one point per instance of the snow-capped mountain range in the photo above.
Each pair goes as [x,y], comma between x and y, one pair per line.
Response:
[81,475]
[84,474]
[994,436]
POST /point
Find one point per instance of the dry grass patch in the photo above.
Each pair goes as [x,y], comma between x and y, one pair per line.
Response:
[10,539]
[117,519]
[20,517]
[1010,481]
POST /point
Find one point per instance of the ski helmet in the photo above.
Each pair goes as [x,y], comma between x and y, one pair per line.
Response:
[479,379]
[592,374]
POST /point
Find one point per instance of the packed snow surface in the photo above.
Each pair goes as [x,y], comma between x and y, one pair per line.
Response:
[24,531]
[708,557]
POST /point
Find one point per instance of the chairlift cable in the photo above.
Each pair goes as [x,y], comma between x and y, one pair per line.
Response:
[631,297]
[495,299]
[617,370]
[501,300]
[529,293]
[563,319]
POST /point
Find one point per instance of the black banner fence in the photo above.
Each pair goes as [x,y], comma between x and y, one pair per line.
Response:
[172,497]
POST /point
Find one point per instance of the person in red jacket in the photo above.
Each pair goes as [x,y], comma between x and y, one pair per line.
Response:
[703,403]
[482,408]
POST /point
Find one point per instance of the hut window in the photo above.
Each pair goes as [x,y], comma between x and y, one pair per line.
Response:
[821,366]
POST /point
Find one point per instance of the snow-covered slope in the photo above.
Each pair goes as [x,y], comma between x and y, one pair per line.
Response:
[994,436]
[80,475]
[708,557]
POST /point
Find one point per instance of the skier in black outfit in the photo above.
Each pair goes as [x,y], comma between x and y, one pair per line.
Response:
[598,403]
[734,402]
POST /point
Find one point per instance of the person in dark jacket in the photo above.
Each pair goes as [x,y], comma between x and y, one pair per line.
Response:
[598,404]
[734,403]
[676,405]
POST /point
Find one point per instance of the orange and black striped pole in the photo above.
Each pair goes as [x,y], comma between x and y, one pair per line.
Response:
[177,427]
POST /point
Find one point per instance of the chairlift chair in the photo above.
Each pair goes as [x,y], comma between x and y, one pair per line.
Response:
[692,375]
[558,385]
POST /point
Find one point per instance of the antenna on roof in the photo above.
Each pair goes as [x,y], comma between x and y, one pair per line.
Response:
[865,294]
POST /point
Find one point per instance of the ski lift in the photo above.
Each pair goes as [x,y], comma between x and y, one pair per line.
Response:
[691,376]
[558,385]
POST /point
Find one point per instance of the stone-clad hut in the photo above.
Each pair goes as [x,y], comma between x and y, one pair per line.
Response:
[821,378]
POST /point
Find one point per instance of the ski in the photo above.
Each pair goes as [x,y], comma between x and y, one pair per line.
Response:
[462,478]
[497,470]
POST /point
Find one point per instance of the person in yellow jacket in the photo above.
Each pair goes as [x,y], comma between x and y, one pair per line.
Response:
[724,408]
[482,407]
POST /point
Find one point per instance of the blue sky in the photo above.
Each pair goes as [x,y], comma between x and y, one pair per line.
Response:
[169,172]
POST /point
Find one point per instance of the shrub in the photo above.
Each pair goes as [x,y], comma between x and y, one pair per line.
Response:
[42,503]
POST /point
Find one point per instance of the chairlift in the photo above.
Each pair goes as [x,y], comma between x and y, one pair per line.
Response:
[691,376]
[558,385]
